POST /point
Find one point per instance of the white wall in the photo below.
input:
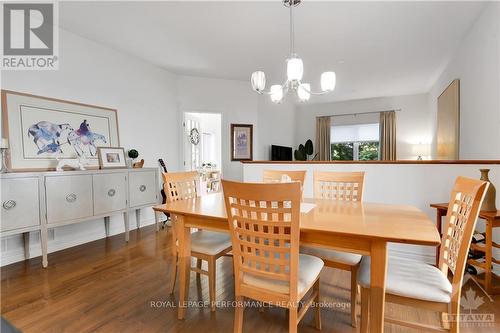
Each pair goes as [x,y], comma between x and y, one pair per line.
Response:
[476,63]
[414,121]
[234,100]
[237,103]
[276,125]
[150,103]
[418,185]
[145,97]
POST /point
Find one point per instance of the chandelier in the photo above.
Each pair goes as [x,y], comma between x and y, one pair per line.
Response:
[294,72]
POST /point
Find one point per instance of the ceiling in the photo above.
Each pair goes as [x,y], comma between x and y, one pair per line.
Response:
[376,48]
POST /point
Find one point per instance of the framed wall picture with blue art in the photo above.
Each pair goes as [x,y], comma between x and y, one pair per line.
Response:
[42,130]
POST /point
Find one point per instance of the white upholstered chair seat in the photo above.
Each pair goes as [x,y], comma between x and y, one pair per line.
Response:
[209,242]
[410,278]
[309,269]
[347,258]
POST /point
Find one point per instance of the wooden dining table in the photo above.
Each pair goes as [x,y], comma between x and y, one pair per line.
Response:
[358,227]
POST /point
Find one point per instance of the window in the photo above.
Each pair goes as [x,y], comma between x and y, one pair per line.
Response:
[358,142]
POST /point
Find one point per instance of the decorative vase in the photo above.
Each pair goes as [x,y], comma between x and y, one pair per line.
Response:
[129,162]
[490,197]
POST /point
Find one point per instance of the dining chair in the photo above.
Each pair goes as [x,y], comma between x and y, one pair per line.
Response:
[274,176]
[205,245]
[417,284]
[347,186]
[264,224]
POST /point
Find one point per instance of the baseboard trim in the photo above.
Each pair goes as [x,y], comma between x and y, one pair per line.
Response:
[15,255]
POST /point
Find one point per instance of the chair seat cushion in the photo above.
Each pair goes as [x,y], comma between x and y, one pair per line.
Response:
[309,269]
[333,255]
[410,278]
[209,242]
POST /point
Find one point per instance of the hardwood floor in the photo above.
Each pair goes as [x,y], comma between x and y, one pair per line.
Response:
[111,286]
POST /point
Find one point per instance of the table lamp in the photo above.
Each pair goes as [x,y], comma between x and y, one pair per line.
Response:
[421,149]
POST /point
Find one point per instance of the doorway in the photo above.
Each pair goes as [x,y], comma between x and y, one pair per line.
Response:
[202,141]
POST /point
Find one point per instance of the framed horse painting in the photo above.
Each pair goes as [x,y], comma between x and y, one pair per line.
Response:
[42,130]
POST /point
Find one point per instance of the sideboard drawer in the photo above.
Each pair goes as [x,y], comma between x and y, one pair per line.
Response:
[110,192]
[142,187]
[68,197]
[20,203]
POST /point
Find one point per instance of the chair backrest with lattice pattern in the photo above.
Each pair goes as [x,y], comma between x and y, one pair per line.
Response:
[347,186]
[274,176]
[180,185]
[463,210]
[264,224]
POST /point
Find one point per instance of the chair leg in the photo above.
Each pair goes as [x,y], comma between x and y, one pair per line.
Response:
[365,306]
[238,314]
[211,282]
[455,314]
[198,265]
[292,318]
[445,320]
[173,277]
[317,314]
[354,295]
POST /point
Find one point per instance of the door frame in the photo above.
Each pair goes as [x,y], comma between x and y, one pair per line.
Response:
[182,147]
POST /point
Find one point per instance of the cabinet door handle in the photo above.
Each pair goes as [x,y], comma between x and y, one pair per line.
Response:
[71,198]
[142,188]
[9,204]
[112,192]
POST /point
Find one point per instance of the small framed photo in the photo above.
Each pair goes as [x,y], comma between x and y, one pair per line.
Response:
[111,157]
[241,142]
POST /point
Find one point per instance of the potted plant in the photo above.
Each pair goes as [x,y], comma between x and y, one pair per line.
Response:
[304,151]
[132,154]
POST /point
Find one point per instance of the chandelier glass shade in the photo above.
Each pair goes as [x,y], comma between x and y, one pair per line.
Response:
[294,73]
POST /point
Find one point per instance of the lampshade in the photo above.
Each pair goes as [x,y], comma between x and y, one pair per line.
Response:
[328,81]
[276,93]
[294,69]
[258,81]
[421,149]
[304,92]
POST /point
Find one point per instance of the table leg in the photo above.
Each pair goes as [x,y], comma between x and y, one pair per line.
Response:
[26,240]
[106,225]
[138,218]
[184,238]
[127,227]
[43,244]
[378,270]
[157,220]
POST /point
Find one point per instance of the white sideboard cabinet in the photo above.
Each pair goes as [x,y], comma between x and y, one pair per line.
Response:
[38,201]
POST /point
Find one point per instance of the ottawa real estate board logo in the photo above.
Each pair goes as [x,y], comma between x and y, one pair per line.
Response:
[30,36]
